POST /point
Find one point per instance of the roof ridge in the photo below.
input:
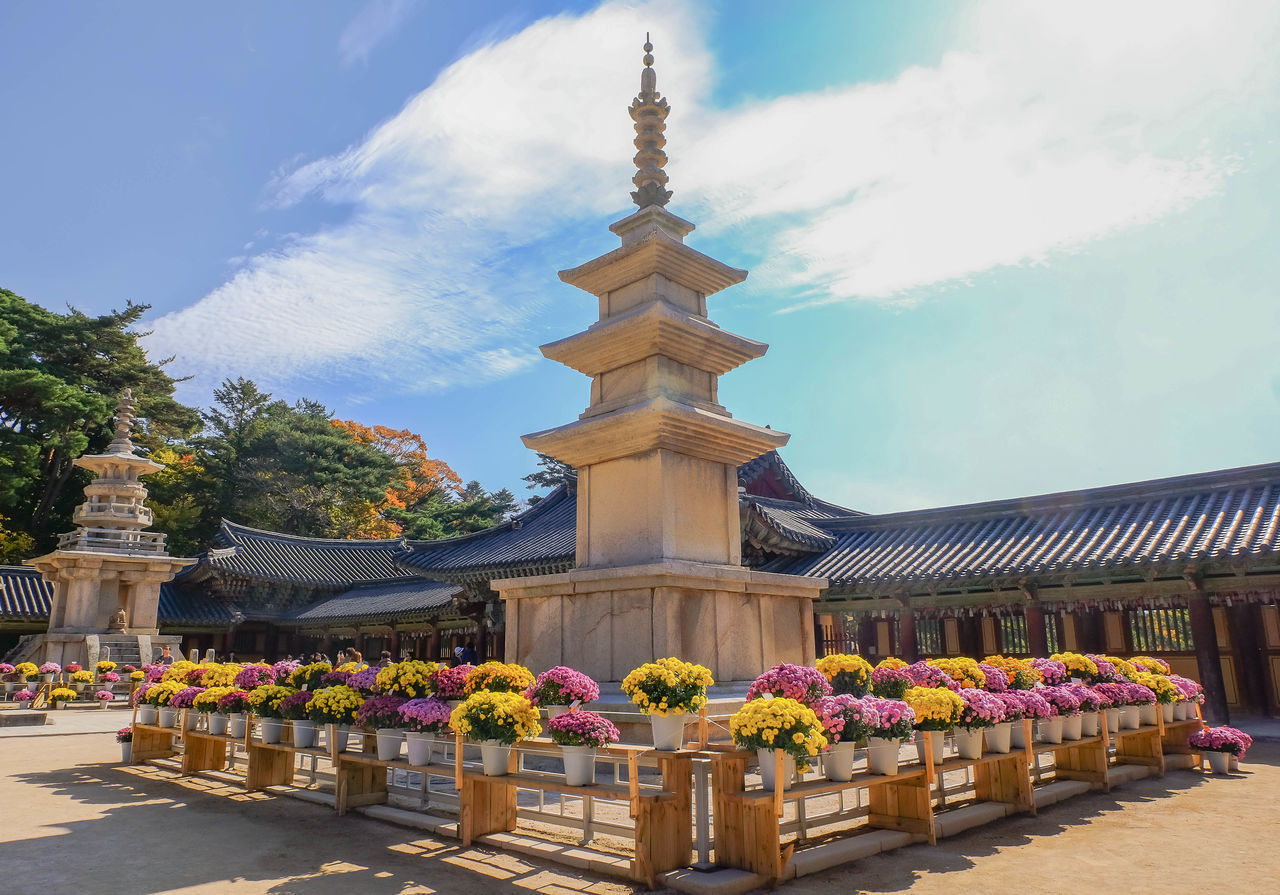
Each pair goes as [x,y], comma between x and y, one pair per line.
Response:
[228,525]
[1186,484]
[560,492]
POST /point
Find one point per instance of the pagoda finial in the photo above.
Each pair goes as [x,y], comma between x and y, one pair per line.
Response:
[649,111]
[123,443]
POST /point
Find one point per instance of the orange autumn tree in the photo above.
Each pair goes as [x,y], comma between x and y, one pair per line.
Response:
[421,483]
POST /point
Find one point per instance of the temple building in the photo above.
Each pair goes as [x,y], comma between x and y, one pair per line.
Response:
[685,527]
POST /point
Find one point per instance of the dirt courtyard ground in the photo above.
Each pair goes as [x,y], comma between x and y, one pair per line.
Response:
[74,821]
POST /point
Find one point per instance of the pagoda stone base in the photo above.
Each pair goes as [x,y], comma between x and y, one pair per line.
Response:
[605,622]
[89,649]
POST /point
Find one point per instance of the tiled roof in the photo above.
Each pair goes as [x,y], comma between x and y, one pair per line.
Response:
[24,595]
[183,607]
[541,540]
[321,561]
[1217,518]
[379,602]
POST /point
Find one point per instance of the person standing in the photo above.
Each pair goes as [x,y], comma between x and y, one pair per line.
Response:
[166,658]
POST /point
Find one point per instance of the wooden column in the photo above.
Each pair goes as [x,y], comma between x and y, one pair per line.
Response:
[818,646]
[1244,621]
[866,637]
[908,648]
[1037,639]
[1208,657]
[394,648]
[433,644]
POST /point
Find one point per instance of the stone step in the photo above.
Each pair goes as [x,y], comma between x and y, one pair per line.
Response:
[22,718]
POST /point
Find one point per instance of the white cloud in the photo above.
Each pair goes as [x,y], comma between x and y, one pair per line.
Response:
[378,20]
[1045,128]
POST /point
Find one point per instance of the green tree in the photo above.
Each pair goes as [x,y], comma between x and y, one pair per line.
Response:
[60,377]
[551,473]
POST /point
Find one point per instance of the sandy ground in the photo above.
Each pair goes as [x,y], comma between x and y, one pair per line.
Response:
[75,821]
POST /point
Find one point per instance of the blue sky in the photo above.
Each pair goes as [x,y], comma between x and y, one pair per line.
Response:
[996,249]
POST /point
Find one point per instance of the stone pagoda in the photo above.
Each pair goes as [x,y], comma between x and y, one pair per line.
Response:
[108,571]
[659,566]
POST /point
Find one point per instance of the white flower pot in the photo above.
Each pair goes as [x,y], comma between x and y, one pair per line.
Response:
[939,746]
[79,686]
[389,740]
[1089,724]
[1049,730]
[1219,762]
[998,737]
[146,714]
[10,686]
[668,732]
[1179,711]
[1114,717]
[218,723]
[768,766]
[236,724]
[167,716]
[495,758]
[304,733]
[1149,714]
[882,756]
[579,765]
[1018,734]
[1235,762]
[103,703]
[969,742]
[46,678]
[838,762]
[341,737]
[126,753]
[1166,709]
[269,729]
[554,711]
[419,746]
[1073,726]
[1130,718]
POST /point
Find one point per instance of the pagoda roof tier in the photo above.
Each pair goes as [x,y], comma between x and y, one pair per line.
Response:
[655,252]
[654,328]
[99,463]
[656,424]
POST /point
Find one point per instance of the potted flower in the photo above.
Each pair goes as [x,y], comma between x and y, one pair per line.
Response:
[889,683]
[146,708]
[307,677]
[937,709]
[159,696]
[846,673]
[8,677]
[380,715]
[1151,664]
[778,728]
[61,696]
[265,702]
[499,677]
[109,677]
[206,702]
[981,712]
[124,736]
[922,674]
[846,719]
[408,680]
[136,676]
[450,684]
[27,671]
[999,736]
[1035,708]
[251,676]
[103,667]
[365,681]
[235,705]
[24,696]
[283,669]
[186,699]
[667,690]
[104,698]
[1080,668]
[48,671]
[579,734]
[993,679]
[1190,694]
[786,681]
[966,672]
[1165,692]
[293,708]
[1090,705]
[893,722]
[72,667]
[336,706]
[81,679]
[1064,704]
[1219,744]
[423,720]
[560,687]
[1052,672]
[1140,704]
[497,721]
